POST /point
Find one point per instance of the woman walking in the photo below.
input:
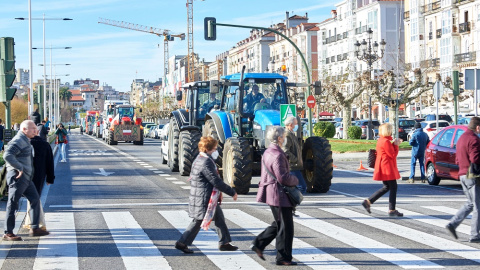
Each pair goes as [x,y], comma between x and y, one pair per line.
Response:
[204,179]
[61,140]
[386,169]
[270,192]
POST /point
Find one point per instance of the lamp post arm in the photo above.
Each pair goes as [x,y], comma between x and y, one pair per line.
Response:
[298,51]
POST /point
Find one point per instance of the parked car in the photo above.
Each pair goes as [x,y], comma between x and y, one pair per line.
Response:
[433,117]
[464,121]
[152,132]
[339,130]
[364,124]
[429,127]
[164,147]
[146,129]
[158,130]
[404,127]
[441,153]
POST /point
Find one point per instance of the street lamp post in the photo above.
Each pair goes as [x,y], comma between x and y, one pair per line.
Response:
[57,96]
[369,54]
[31,102]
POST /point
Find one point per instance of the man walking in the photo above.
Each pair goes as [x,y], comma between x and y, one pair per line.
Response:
[468,152]
[419,143]
[19,159]
[294,152]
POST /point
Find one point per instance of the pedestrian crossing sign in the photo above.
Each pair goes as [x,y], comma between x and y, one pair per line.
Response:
[287,110]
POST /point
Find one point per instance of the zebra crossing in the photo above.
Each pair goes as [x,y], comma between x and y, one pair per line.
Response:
[138,251]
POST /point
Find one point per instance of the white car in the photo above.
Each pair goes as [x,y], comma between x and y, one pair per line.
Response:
[164,147]
[429,127]
[158,131]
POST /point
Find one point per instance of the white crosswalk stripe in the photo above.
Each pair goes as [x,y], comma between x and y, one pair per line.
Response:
[437,222]
[445,209]
[61,243]
[136,249]
[207,242]
[373,247]
[436,242]
[302,251]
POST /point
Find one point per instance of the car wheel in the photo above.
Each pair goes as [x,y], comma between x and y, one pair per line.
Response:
[432,177]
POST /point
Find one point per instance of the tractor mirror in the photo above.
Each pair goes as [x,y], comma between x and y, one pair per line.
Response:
[214,86]
[179,95]
[317,86]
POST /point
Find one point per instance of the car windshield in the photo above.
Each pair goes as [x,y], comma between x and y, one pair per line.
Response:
[406,123]
[263,94]
[126,112]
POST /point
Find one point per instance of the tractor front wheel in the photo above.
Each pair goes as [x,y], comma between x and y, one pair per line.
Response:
[318,164]
[188,150]
[110,140]
[173,137]
[238,161]
[209,130]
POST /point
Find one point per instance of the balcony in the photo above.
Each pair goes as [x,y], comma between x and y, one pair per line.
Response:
[439,33]
[332,59]
[430,35]
[360,30]
[339,37]
[432,7]
[465,57]
[461,2]
[464,27]
[327,61]
[345,56]
[406,15]
[345,35]
[339,58]
[434,62]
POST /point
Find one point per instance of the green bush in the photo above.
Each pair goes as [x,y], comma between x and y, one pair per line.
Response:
[354,132]
[324,129]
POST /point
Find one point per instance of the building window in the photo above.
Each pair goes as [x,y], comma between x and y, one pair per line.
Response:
[372,19]
[446,22]
[414,29]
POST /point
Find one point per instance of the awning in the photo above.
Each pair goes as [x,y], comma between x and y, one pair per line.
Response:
[326,114]
[402,107]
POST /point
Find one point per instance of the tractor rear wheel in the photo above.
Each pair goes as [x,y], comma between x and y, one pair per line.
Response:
[141,139]
[318,164]
[188,150]
[173,137]
[238,161]
[210,131]
[110,140]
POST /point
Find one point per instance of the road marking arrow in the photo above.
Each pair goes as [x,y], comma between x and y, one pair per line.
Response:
[103,172]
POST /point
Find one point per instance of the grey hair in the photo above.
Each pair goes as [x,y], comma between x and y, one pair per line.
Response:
[24,124]
[274,133]
[289,120]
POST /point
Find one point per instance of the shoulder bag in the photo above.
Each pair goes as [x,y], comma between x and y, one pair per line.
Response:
[293,193]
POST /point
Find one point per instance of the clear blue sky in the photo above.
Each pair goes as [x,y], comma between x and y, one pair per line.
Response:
[117,56]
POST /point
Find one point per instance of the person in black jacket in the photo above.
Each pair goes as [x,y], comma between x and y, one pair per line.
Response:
[42,163]
[35,117]
[203,178]
[42,131]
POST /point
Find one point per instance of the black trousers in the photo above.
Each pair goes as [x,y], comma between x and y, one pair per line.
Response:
[282,230]
[194,227]
[387,185]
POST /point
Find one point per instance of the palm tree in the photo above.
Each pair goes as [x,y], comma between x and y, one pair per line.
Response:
[65,95]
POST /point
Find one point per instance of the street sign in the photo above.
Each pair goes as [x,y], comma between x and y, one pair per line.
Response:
[311,102]
[438,90]
[287,110]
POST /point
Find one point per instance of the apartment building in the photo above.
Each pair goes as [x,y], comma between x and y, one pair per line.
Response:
[448,39]
[349,23]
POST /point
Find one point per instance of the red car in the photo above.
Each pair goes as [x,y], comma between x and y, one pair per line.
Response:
[440,154]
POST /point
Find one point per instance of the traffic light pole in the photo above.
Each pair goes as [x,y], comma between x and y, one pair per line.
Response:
[8,117]
[309,110]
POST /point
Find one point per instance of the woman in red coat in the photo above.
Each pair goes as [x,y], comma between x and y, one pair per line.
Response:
[386,169]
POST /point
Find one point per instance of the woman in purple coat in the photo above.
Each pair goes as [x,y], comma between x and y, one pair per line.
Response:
[271,193]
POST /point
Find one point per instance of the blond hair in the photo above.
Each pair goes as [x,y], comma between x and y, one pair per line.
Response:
[385,130]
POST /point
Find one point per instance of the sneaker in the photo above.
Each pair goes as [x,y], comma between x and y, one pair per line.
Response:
[411,181]
[395,213]
[475,240]
[11,237]
[227,247]
[183,247]
[451,229]
[38,232]
[366,205]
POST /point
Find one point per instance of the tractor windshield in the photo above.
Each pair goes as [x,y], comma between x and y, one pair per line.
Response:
[266,94]
[205,102]
[126,112]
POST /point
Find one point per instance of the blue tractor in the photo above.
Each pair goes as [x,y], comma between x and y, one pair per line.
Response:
[250,106]
[186,124]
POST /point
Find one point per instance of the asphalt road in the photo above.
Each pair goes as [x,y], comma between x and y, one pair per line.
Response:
[118,207]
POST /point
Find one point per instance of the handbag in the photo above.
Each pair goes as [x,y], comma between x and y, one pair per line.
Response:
[372,157]
[293,193]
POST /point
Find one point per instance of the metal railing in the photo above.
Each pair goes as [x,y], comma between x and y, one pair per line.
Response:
[432,7]
[464,27]
[439,33]
[430,35]
[465,57]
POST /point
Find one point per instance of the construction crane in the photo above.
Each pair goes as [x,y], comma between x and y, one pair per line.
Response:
[167,36]
[191,54]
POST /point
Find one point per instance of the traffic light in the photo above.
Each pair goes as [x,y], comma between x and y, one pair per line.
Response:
[317,88]
[210,28]
[457,83]
[7,69]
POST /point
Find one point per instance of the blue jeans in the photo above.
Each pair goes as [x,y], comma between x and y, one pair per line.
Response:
[17,188]
[413,164]
[302,185]
[472,191]
[62,151]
